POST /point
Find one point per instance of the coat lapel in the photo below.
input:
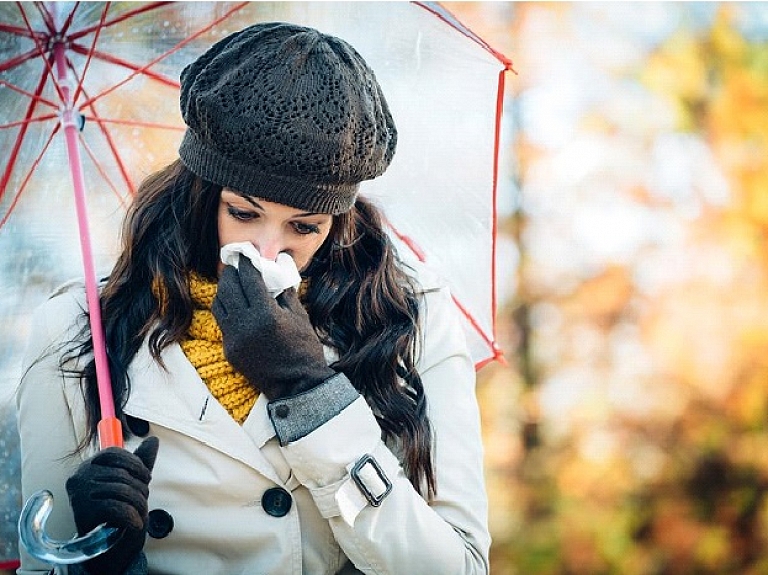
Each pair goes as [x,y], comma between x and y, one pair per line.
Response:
[176,398]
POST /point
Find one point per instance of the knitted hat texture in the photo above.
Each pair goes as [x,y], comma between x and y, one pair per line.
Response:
[287,114]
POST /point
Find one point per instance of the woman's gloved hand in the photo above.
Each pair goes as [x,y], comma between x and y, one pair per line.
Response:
[269,340]
[112,487]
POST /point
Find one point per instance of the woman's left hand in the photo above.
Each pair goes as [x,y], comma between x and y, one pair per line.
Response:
[269,340]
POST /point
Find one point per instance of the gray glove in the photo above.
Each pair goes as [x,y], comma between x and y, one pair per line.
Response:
[269,340]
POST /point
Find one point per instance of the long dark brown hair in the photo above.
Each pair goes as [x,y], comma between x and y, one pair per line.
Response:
[171,229]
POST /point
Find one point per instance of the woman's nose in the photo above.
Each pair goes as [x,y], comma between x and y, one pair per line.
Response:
[268,247]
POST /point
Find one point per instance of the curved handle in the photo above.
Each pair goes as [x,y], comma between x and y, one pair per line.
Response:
[60,552]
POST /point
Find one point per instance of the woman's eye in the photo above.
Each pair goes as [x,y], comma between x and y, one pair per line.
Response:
[304,228]
[242,215]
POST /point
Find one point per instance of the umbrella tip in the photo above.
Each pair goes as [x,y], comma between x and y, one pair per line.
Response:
[498,355]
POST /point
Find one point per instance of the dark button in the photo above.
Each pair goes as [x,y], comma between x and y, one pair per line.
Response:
[160,524]
[282,411]
[276,501]
[138,427]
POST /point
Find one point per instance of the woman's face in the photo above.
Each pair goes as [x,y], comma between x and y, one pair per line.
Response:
[272,228]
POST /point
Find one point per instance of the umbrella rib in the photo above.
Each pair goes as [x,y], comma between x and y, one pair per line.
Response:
[51,22]
[116,155]
[408,241]
[124,16]
[446,16]
[176,48]
[103,173]
[28,176]
[137,123]
[20,59]
[41,52]
[70,18]
[489,340]
[19,31]
[20,137]
[47,18]
[494,219]
[110,143]
[79,88]
[30,95]
[80,49]
[26,121]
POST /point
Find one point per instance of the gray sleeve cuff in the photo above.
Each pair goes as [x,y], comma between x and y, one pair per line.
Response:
[299,415]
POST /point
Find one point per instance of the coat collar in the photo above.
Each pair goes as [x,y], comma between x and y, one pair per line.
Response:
[176,398]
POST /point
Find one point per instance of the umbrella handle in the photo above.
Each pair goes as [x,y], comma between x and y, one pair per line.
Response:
[37,508]
[39,545]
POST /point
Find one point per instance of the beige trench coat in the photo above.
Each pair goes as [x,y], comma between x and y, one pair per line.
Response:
[211,473]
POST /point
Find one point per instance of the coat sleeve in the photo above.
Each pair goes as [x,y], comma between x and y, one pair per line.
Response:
[47,411]
[405,533]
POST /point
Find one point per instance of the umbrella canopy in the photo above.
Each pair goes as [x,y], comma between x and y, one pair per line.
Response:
[109,72]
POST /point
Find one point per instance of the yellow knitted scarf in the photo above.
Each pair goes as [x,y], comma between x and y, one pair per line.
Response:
[205,350]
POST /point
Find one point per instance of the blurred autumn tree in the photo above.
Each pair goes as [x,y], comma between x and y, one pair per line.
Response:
[629,433]
[707,511]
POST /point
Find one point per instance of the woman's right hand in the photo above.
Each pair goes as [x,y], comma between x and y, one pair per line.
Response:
[112,487]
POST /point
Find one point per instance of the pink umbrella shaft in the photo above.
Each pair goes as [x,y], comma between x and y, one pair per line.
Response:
[110,432]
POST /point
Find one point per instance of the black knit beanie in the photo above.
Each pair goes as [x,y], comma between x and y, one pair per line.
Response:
[287,114]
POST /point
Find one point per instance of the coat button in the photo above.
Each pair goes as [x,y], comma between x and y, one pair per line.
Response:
[282,411]
[160,524]
[138,427]
[276,501]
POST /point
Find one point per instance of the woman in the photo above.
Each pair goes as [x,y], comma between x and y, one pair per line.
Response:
[329,430]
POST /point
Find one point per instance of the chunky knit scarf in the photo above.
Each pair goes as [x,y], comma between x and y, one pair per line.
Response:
[204,348]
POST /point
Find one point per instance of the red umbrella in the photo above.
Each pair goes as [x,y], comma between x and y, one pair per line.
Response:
[106,77]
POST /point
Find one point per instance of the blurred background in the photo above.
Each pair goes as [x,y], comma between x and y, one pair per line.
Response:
[627,432]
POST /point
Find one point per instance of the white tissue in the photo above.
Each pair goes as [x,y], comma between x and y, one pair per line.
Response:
[278,275]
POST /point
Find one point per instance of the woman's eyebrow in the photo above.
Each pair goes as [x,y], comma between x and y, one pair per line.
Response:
[251,200]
